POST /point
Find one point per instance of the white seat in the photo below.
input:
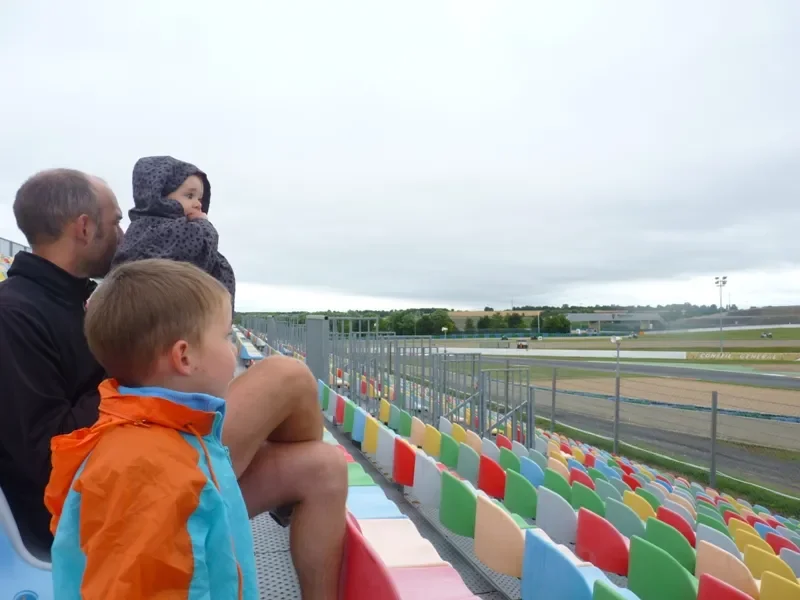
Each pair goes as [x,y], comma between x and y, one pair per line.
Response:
[657,491]
[681,510]
[518,449]
[791,558]
[427,486]
[385,454]
[490,449]
[556,517]
[445,426]
[718,539]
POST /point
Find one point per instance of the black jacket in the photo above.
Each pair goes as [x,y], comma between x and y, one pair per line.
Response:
[159,228]
[48,380]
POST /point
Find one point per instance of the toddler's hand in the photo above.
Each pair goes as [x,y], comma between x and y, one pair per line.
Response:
[193,215]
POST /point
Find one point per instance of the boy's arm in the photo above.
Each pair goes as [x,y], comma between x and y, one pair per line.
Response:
[135,512]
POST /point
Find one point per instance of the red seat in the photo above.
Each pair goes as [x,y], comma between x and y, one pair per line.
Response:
[520,435]
[363,387]
[729,514]
[774,523]
[778,541]
[711,588]
[627,469]
[363,576]
[339,373]
[339,415]
[670,517]
[588,460]
[405,457]
[503,442]
[442,583]
[599,543]
[752,519]
[566,449]
[632,483]
[707,502]
[576,474]
[491,477]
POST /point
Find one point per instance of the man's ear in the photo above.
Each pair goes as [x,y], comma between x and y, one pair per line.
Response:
[180,358]
[84,229]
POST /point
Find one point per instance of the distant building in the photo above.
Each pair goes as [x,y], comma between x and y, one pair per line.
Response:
[626,320]
[460,316]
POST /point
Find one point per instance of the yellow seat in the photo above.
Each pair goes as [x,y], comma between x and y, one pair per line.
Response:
[432,441]
[558,467]
[559,456]
[760,561]
[726,567]
[774,587]
[578,454]
[499,541]
[639,505]
[473,441]
[743,539]
[385,410]
[737,525]
[417,432]
[370,443]
[458,433]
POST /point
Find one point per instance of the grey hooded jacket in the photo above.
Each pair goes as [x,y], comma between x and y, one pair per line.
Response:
[159,228]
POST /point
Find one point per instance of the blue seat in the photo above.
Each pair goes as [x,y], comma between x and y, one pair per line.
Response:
[22,569]
[574,464]
[607,471]
[359,423]
[369,502]
[763,530]
[531,471]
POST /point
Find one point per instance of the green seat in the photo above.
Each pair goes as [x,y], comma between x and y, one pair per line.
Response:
[394,418]
[623,518]
[668,538]
[457,506]
[520,495]
[522,523]
[585,497]
[356,476]
[448,452]
[650,497]
[326,396]
[605,590]
[704,519]
[349,415]
[704,509]
[654,574]
[539,458]
[612,463]
[724,506]
[508,460]
[405,424]
[468,463]
[557,483]
[597,475]
[605,490]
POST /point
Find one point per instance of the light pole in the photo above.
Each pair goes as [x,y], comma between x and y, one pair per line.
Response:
[617,341]
[444,331]
[721,282]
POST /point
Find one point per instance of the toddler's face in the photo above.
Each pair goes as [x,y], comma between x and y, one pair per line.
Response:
[190,195]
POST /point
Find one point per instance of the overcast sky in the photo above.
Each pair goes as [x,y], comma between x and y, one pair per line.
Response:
[457,153]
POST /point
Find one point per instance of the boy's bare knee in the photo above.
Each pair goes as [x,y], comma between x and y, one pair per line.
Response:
[329,477]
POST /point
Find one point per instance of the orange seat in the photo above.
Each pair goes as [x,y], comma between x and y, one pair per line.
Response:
[405,457]
[576,474]
[599,543]
[491,477]
[632,483]
[503,442]
[711,588]
[670,517]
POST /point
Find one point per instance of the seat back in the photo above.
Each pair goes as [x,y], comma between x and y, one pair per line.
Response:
[364,575]
[725,567]
[760,561]
[468,463]
[499,542]
[655,575]
[624,518]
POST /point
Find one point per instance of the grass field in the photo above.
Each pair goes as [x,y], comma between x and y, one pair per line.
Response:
[788,333]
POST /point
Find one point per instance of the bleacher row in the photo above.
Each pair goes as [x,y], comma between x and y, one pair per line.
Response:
[572,522]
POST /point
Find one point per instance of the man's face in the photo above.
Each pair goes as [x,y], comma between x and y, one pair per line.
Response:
[107,233]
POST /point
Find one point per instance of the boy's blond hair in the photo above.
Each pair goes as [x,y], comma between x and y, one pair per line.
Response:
[142,308]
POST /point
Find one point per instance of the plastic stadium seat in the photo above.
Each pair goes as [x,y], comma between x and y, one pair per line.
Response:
[385,453]
[655,575]
[520,495]
[473,441]
[370,502]
[632,483]
[459,433]
[791,558]
[445,426]
[651,498]
[394,417]
[405,424]
[775,587]
[427,481]
[598,542]
[519,449]
[778,543]
[639,505]
[490,449]
[384,411]
[370,442]
[417,435]
[539,458]
[621,486]
[432,441]
[468,463]
[398,543]
[555,481]
[671,540]
[448,451]
[359,424]
[763,529]
[658,491]
[624,518]
[589,460]
[458,505]
[584,497]
[605,590]
[597,475]
[555,516]
[503,442]
[725,567]
[508,460]
[349,416]
[681,511]
[404,462]
[356,476]
[745,538]
[718,539]
[711,588]
[499,542]
[442,583]
[21,568]
[729,514]
[491,477]
[759,561]
[364,575]
[339,415]
[574,464]
[531,471]
[582,477]
[605,490]
[678,522]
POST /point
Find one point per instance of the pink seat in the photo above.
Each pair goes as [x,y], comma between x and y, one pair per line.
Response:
[581,477]
[711,588]
[599,543]
[503,442]
[491,478]
[364,576]
[778,542]
[670,517]
[442,583]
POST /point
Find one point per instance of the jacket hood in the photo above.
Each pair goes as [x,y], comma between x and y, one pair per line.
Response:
[154,178]
[70,451]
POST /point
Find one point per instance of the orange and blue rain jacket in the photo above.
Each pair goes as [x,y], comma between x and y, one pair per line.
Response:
[145,503]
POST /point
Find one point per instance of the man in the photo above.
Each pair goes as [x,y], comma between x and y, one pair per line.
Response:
[49,381]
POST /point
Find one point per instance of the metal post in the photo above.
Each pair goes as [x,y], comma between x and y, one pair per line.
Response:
[712,475]
[553,408]
[616,406]
[530,434]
